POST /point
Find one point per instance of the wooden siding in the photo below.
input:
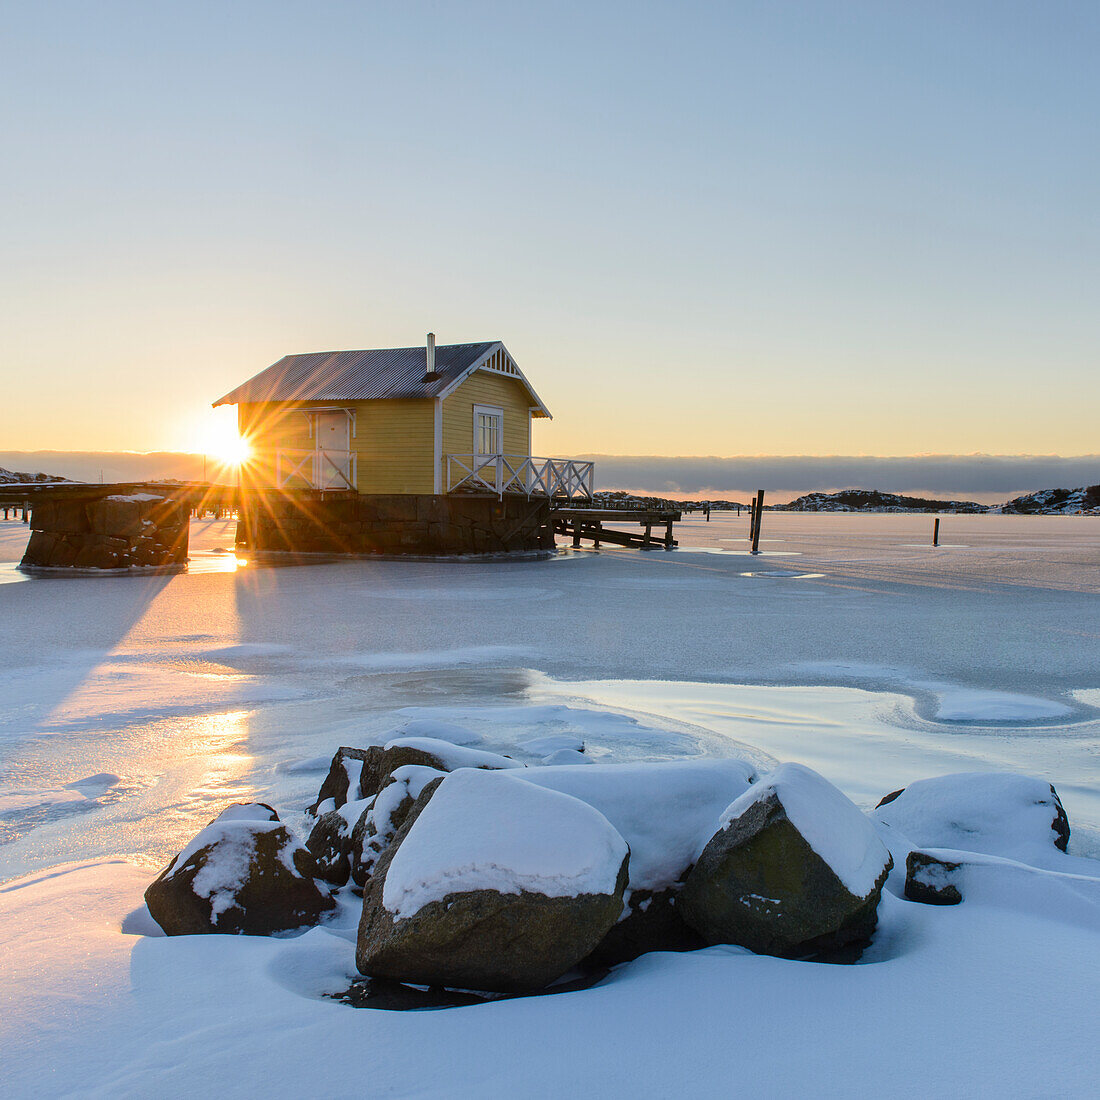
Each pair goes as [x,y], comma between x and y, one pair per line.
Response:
[482,388]
[394,443]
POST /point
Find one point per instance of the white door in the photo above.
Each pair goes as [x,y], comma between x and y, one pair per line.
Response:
[333,450]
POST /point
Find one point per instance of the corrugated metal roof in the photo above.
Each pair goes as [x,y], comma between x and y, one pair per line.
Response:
[371,375]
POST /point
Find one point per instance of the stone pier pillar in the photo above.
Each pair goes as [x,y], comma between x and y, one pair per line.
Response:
[108,532]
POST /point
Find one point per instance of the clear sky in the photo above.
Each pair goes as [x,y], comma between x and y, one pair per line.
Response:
[734,228]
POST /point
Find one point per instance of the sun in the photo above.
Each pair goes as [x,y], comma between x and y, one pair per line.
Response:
[220,442]
[232,452]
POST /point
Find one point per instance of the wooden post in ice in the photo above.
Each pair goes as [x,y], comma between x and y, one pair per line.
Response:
[758,515]
[936,532]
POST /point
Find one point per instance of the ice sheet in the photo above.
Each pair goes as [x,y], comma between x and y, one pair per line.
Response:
[204,689]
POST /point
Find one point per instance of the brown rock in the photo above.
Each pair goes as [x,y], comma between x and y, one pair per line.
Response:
[759,883]
[236,877]
[480,939]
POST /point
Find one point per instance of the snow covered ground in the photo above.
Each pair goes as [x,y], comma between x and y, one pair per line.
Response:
[136,708]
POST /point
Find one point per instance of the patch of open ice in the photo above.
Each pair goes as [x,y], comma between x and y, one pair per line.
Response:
[92,785]
[951,702]
[963,704]
[490,831]
[439,658]
[516,724]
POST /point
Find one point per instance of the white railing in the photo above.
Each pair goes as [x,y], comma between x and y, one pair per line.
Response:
[318,469]
[560,478]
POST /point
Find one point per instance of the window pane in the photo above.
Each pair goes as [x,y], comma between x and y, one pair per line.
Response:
[488,433]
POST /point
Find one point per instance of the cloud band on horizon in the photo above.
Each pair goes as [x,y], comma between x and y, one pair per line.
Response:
[952,476]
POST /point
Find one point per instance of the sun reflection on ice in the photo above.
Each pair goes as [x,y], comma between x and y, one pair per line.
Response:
[218,743]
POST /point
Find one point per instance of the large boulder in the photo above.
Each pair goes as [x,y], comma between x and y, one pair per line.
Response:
[794,870]
[243,874]
[666,812]
[995,813]
[492,884]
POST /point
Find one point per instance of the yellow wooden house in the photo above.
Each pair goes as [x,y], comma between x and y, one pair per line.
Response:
[420,420]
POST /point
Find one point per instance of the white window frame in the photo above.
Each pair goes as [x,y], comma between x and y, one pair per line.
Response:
[487,410]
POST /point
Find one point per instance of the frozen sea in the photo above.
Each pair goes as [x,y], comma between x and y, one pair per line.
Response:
[137,707]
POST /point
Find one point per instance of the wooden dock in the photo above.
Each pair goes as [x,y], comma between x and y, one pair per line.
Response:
[588,523]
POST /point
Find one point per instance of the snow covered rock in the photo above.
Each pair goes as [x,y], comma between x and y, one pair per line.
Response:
[996,813]
[347,842]
[243,874]
[429,752]
[794,870]
[931,880]
[343,779]
[332,840]
[385,814]
[566,756]
[492,884]
[666,812]
[329,842]
[361,773]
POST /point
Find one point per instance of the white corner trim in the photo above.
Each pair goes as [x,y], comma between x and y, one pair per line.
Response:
[437,479]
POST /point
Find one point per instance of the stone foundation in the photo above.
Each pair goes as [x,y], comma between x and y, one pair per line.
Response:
[347,523]
[108,532]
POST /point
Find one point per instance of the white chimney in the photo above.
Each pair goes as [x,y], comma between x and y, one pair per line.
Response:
[431,353]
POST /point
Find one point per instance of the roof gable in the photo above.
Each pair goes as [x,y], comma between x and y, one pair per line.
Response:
[377,374]
[498,360]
